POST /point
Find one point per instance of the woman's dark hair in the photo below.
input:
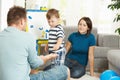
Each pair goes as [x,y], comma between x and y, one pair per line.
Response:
[88,22]
[15,14]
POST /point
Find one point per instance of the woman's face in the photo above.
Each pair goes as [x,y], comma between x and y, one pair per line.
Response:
[82,27]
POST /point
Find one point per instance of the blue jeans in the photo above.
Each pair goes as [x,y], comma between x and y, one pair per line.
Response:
[55,73]
[76,69]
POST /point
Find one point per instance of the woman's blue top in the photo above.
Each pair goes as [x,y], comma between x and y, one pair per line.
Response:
[80,46]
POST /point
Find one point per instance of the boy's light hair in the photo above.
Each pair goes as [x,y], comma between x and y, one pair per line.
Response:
[52,12]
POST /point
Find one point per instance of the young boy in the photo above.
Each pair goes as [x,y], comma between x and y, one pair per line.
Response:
[56,36]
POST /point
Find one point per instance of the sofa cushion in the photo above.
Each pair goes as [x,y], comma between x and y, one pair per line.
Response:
[101,52]
[99,64]
[111,41]
[68,30]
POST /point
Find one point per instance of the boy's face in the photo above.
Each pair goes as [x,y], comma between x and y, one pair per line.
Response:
[53,21]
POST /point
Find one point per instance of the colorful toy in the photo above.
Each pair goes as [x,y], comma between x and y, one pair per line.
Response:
[43,8]
[43,34]
[109,75]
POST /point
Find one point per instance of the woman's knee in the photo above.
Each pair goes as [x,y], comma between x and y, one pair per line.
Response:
[77,73]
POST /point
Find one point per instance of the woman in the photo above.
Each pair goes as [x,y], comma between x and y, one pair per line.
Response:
[80,48]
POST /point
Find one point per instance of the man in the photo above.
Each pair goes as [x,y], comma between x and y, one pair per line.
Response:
[18,54]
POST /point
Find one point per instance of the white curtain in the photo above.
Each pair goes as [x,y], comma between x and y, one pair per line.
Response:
[4,7]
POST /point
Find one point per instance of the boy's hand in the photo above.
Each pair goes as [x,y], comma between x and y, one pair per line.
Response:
[56,47]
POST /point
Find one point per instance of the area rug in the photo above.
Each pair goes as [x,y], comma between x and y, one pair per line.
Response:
[87,77]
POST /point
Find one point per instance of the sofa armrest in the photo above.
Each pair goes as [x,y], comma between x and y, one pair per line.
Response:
[113,57]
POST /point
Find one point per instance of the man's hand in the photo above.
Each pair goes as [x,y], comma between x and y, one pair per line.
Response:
[48,57]
[53,55]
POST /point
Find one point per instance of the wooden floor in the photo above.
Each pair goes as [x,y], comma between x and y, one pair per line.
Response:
[88,77]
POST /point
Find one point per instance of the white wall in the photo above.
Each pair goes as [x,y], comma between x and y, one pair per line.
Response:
[20,2]
[4,7]
[97,10]
[72,11]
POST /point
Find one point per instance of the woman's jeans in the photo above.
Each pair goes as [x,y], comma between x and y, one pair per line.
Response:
[56,73]
[76,69]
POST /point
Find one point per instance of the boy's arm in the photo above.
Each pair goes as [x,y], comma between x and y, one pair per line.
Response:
[57,45]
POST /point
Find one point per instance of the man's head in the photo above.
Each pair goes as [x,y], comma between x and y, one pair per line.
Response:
[17,17]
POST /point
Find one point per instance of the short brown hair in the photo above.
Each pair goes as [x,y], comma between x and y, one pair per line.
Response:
[15,13]
[52,12]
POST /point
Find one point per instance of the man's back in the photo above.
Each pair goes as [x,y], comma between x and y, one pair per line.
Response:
[14,47]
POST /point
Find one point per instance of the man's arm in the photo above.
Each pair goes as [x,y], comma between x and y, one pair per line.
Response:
[45,59]
[48,57]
